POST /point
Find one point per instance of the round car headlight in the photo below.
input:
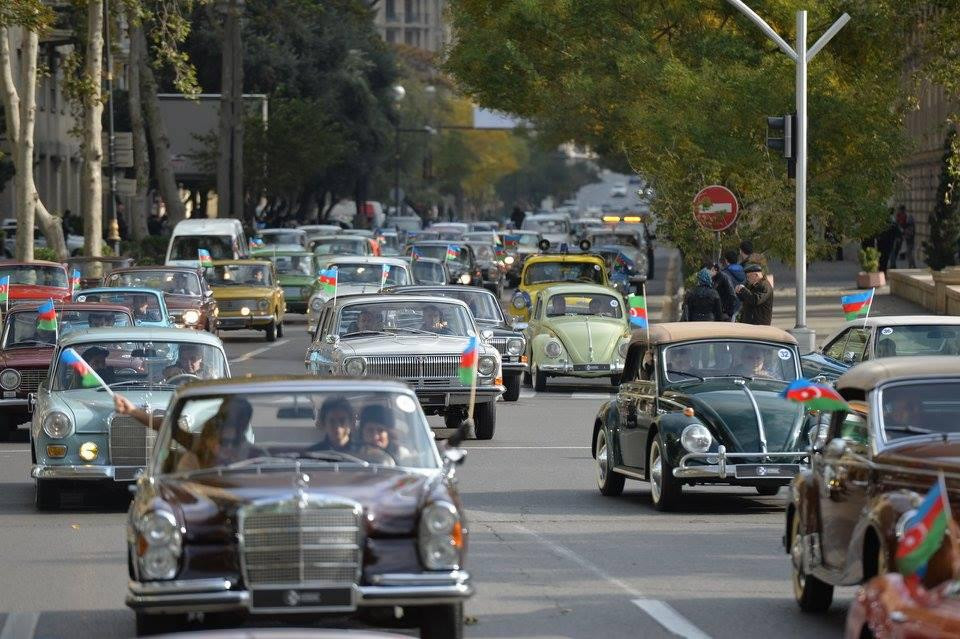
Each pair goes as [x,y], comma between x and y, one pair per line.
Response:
[191,317]
[440,552]
[439,518]
[159,562]
[10,379]
[696,438]
[464,279]
[159,528]
[441,536]
[519,300]
[514,346]
[487,365]
[622,349]
[508,260]
[316,304]
[355,366]
[89,451]
[245,311]
[57,425]
[553,348]
[263,304]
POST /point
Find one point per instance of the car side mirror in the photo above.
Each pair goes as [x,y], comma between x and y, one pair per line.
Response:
[331,339]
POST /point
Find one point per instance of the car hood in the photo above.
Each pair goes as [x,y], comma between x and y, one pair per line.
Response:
[391,498]
[295,280]
[814,364]
[580,334]
[27,357]
[923,452]
[241,292]
[727,408]
[39,293]
[91,408]
[182,302]
[406,345]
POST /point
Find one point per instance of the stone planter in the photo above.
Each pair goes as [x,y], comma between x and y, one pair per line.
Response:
[866,279]
[949,276]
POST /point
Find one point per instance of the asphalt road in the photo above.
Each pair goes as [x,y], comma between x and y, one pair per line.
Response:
[551,557]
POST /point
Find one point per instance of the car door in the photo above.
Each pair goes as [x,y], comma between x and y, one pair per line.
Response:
[636,401]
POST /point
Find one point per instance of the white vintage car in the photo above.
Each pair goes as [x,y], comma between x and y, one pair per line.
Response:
[415,338]
[357,274]
[76,436]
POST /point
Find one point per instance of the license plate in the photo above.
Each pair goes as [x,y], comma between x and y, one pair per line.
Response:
[9,394]
[433,399]
[767,471]
[302,598]
[591,367]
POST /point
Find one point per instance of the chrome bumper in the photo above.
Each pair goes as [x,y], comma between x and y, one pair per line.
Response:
[514,367]
[718,467]
[567,368]
[232,323]
[85,472]
[213,595]
[14,401]
[457,396]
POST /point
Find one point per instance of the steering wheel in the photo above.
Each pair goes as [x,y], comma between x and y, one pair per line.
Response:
[126,371]
[376,455]
[183,377]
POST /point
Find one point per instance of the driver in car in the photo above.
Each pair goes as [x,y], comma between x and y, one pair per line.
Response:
[336,421]
[96,357]
[99,320]
[367,320]
[142,310]
[256,277]
[558,306]
[189,362]
[377,430]
[753,364]
[433,321]
[680,361]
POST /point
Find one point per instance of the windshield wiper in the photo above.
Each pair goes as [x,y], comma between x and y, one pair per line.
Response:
[137,382]
[913,430]
[670,370]
[359,333]
[31,342]
[415,330]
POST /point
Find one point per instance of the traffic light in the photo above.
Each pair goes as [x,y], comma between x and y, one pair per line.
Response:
[780,138]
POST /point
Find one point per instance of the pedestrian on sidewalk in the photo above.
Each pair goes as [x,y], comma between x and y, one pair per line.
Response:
[702,303]
[908,237]
[886,241]
[734,275]
[756,296]
[746,250]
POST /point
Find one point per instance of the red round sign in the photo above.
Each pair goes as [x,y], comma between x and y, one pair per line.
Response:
[715,208]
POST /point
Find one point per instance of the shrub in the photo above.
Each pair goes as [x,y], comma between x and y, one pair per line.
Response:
[45,253]
[870,259]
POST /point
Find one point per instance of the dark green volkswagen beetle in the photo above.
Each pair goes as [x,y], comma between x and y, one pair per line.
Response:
[699,404]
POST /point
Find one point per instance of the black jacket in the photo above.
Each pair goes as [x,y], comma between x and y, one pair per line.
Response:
[757,303]
[728,299]
[702,304]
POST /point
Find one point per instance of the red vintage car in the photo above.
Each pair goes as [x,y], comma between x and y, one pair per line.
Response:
[36,281]
[25,351]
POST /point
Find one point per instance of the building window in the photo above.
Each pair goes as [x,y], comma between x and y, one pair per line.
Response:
[391,11]
[392,36]
[408,36]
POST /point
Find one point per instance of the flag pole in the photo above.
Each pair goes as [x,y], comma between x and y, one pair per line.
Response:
[93,372]
[473,384]
[873,292]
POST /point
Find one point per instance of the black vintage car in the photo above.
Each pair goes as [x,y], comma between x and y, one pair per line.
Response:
[297,498]
[699,404]
[493,272]
[486,310]
[460,260]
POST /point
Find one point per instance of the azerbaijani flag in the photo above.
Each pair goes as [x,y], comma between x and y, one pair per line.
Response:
[88,377]
[500,251]
[924,531]
[416,253]
[328,281]
[858,304]
[814,396]
[47,317]
[453,251]
[205,260]
[637,305]
[511,241]
[256,242]
[623,261]
[75,280]
[384,274]
[468,363]
[5,289]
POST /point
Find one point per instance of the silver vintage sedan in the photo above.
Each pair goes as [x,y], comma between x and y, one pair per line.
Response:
[415,338]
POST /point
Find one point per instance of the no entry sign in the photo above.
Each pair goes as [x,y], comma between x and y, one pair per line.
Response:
[715,208]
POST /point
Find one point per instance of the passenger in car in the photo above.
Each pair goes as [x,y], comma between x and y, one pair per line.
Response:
[378,430]
[336,420]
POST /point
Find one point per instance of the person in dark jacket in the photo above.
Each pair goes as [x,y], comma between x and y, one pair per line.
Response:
[730,267]
[757,297]
[724,286]
[702,304]
[746,250]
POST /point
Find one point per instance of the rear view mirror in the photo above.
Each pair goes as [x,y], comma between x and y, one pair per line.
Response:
[295,412]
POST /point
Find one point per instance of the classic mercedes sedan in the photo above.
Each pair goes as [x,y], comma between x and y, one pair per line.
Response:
[417,339]
[77,439]
[298,498]
[871,465]
[699,403]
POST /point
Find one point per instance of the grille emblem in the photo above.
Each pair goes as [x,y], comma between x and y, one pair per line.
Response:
[291,598]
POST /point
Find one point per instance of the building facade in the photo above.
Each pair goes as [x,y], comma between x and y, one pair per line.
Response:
[416,23]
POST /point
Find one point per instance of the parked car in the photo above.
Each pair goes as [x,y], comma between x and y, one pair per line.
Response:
[699,403]
[577,330]
[342,245]
[188,297]
[94,269]
[149,305]
[286,522]
[248,296]
[358,276]
[492,271]
[429,271]
[297,271]
[871,465]
[541,271]
[283,239]
[26,350]
[223,238]
[426,336]
[459,258]
[36,281]
[77,439]
[507,339]
[861,340]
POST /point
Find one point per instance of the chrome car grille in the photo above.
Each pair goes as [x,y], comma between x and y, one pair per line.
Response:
[292,292]
[499,343]
[130,441]
[30,379]
[414,367]
[236,305]
[292,542]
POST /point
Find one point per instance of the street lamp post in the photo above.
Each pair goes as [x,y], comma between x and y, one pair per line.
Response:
[398,94]
[801,57]
[113,235]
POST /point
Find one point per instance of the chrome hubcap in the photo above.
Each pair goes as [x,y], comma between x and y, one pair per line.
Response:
[796,556]
[656,472]
[601,458]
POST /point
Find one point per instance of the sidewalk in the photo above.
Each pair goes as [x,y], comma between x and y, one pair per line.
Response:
[826,283]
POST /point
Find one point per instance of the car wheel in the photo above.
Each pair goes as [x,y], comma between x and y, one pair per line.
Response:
[812,595]
[485,420]
[665,490]
[609,482]
[272,331]
[441,622]
[539,379]
[768,491]
[512,384]
[148,624]
[615,380]
[47,495]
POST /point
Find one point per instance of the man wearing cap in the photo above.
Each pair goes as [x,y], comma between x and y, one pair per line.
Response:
[757,297]
[96,358]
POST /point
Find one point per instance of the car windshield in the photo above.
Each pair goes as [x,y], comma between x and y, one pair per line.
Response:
[439,252]
[144,306]
[371,274]
[541,272]
[926,339]
[282,237]
[405,318]
[727,358]
[484,252]
[428,272]
[187,247]
[141,363]
[293,264]
[21,327]
[173,282]
[529,239]
[546,225]
[584,304]
[482,304]
[239,275]
[35,275]
[921,408]
[615,239]
[261,431]
[340,246]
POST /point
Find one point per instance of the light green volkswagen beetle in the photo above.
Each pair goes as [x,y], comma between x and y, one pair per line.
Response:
[577,330]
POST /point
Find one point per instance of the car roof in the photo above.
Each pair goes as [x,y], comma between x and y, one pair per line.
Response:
[120,289]
[340,237]
[412,289]
[430,260]
[141,334]
[364,259]
[195,225]
[394,298]
[284,252]
[157,267]
[242,262]
[873,373]
[577,287]
[670,332]
[906,320]
[562,257]
[23,307]
[252,384]
[280,230]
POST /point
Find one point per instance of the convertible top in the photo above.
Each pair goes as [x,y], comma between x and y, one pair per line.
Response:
[870,374]
[683,331]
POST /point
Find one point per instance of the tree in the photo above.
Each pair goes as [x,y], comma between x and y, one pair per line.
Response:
[941,250]
[89,88]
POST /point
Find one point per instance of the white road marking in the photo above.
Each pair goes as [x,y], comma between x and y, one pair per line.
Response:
[528,448]
[659,611]
[571,395]
[14,450]
[258,351]
[20,625]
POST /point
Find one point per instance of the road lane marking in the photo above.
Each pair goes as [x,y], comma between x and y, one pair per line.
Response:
[657,610]
[258,351]
[20,625]
[569,395]
[15,450]
[527,448]
[666,616]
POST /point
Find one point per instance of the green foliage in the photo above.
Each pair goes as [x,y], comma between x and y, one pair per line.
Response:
[680,90]
[870,259]
[31,14]
[546,173]
[45,253]
[941,250]
[149,250]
